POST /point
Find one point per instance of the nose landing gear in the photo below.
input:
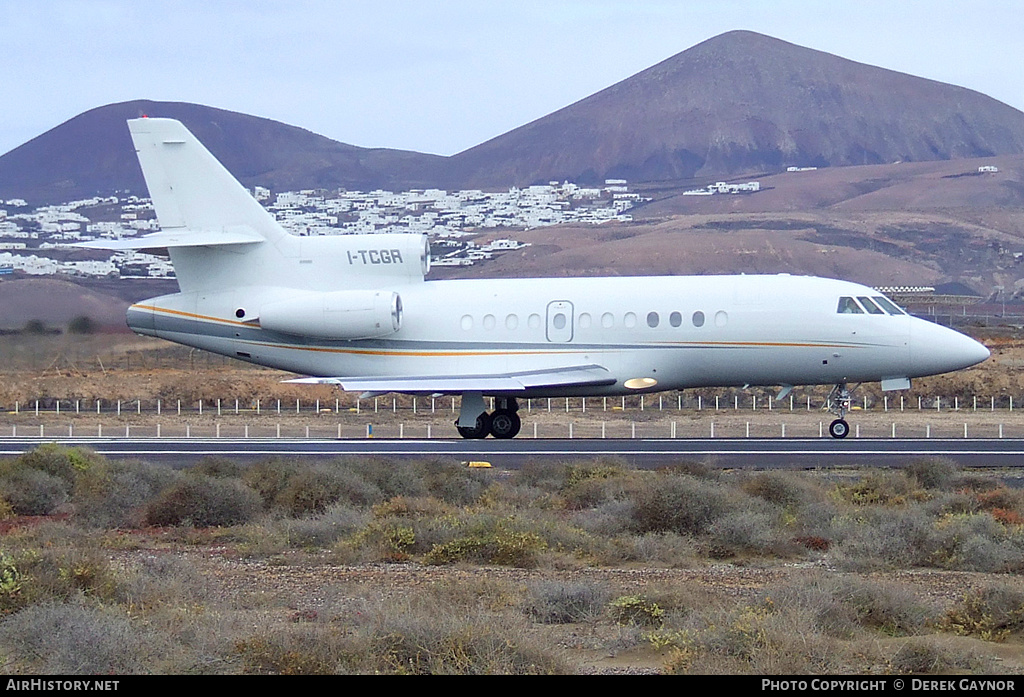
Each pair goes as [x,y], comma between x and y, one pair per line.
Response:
[839,403]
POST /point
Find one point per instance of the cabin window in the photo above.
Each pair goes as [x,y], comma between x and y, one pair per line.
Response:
[888,305]
[629,320]
[849,306]
[585,321]
[512,322]
[533,321]
[721,318]
[870,306]
[675,319]
[698,319]
[607,320]
[489,321]
[653,319]
[558,321]
[467,322]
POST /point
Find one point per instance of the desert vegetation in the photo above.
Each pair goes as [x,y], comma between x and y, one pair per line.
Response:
[375,566]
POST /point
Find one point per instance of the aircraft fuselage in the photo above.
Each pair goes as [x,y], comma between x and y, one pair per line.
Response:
[663,333]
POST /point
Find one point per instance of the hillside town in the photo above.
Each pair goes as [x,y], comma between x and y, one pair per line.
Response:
[42,241]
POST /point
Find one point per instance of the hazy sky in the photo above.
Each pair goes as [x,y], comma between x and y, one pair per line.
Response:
[437,76]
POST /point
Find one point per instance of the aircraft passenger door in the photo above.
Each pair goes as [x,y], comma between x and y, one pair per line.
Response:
[559,326]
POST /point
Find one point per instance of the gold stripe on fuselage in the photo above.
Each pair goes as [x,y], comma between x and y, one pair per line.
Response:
[491,352]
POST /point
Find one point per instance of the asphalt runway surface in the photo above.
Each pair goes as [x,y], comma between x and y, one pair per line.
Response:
[767,453]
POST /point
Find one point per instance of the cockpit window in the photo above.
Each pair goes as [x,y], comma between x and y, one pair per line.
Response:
[870,306]
[849,306]
[888,305]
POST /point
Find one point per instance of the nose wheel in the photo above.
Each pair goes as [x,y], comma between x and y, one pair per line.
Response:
[839,428]
[838,403]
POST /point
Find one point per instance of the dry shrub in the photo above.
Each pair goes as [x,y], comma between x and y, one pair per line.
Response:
[993,613]
[413,637]
[451,481]
[59,461]
[76,639]
[747,532]
[115,494]
[880,488]
[291,654]
[33,492]
[785,489]
[312,490]
[501,546]
[931,656]
[680,504]
[268,477]
[884,538]
[559,602]
[391,477]
[324,529]
[202,501]
[999,498]
[636,610]
[217,466]
[887,607]
[934,472]
[842,605]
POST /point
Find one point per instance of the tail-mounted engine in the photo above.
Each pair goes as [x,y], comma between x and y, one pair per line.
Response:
[343,314]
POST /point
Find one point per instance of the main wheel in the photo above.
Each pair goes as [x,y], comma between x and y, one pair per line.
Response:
[480,430]
[505,424]
[839,429]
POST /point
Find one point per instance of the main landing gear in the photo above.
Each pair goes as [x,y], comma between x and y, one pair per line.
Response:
[839,403]
[503,422]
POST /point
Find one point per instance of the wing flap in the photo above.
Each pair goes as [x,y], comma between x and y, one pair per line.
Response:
[573,376]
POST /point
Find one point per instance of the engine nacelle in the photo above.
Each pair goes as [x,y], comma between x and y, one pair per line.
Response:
[343,314]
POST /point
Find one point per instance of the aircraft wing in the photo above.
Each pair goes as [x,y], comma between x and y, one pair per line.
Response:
[573,376]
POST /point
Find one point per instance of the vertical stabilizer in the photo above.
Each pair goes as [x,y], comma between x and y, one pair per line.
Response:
[190,189]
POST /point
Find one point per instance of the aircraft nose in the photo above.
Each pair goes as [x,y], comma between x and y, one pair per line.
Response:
[937,349]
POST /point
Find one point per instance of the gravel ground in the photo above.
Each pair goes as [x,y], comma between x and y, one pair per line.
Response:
[301,585]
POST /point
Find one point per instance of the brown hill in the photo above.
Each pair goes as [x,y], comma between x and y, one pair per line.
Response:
[744,102]
[93,154]
[56,302]
[945,184]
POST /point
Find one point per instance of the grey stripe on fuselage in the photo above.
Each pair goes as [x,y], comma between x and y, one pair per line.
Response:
[256,336]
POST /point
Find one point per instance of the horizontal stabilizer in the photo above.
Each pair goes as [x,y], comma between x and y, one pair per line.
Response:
[177,238]
[574,376]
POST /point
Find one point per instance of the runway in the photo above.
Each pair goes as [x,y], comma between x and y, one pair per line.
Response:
[769,453]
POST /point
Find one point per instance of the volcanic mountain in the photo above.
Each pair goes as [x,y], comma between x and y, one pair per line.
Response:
[744,102]
[93,154]
[739,103]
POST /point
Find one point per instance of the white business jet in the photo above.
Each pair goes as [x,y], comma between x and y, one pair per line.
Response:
[355,311]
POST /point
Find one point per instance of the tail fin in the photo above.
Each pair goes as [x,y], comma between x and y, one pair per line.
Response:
[191,190]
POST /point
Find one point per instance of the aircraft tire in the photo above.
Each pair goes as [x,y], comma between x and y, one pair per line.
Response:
[839,429]
[480,430]
[505,424]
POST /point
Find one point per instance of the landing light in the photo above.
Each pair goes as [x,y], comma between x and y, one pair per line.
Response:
[639,383]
